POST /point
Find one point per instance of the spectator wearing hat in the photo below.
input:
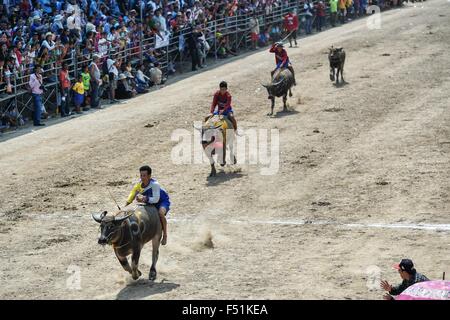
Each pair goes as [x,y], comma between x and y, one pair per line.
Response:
[57,26]
[36,25]
[409,276]
[48,42]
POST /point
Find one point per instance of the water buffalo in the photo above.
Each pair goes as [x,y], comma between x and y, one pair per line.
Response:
[129,234]
[280,87]
[217,134]
[336,56]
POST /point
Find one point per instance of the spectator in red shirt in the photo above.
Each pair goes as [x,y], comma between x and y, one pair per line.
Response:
[64,82]
[25,8]
[291,26]
[320,15]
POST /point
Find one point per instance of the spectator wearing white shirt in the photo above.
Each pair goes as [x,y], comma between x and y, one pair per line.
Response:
[103,45]
[113,74]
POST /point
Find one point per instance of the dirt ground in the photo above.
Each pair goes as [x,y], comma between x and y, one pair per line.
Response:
[362,167]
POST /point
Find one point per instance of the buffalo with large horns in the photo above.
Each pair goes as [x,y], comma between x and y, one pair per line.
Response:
[129,233]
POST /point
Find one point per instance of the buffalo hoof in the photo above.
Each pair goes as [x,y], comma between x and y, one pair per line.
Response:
[137,275]
[213,173]
[223,164]
[270,114]
[234,160]
[152,275]
[331,77]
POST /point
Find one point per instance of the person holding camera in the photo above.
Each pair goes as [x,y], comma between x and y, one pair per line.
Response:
[37,89]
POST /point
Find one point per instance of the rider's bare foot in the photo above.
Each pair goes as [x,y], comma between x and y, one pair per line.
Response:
[164,240]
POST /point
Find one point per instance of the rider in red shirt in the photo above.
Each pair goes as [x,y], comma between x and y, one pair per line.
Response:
[222,100]
[281,59]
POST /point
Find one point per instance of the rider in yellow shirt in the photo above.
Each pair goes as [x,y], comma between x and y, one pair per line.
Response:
[149,192]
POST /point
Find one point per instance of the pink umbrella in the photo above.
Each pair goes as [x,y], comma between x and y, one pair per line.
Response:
[427,290]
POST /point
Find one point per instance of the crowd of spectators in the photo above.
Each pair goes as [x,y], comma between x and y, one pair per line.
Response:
[50,33]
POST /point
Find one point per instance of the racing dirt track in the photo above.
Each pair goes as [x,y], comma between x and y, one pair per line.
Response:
[374,152]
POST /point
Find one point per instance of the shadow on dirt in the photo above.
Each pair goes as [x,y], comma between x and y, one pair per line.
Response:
[223,176]
[143,288]
[341,84]
[285,113]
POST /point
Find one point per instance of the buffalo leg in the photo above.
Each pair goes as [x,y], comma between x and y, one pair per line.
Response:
[230,136]
[337,75]
[223,155]
[124,262]
[290,92]
[331,74]
[342,73]
[293,74]
[134,264]
[155,255]
[209,153]
[272,99]
[284,102]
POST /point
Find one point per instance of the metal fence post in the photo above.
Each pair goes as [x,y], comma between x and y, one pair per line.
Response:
[236,33]
[56,89]
[167,57]
[215,40]
[141,47]
[75,61]
[15,91]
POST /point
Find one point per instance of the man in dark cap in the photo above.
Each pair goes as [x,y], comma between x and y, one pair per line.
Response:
[409,275]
